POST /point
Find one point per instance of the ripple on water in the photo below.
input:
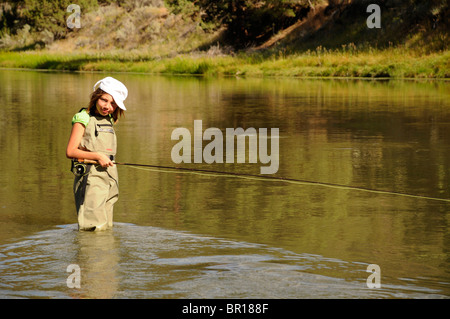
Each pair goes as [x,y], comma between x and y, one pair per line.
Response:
[133,261]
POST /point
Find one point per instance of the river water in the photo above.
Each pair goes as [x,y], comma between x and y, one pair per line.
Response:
[185,235]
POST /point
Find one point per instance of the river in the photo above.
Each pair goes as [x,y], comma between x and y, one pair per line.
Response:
[373,158]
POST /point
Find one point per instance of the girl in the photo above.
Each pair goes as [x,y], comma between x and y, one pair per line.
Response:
[93,138]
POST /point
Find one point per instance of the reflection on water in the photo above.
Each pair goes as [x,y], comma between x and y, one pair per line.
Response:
[98,260]
[281,239]
[133,261]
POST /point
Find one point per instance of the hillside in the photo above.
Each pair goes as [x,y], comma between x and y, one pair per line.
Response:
[424,26]
[132,34]
[175,26]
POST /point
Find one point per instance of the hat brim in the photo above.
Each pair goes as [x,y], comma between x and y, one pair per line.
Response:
[119,102]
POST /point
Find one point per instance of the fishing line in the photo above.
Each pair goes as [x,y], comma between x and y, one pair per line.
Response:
[211,173]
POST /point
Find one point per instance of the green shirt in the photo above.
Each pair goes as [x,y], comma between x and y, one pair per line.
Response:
[81,117]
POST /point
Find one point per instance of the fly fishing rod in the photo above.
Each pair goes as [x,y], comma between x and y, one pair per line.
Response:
[269,178]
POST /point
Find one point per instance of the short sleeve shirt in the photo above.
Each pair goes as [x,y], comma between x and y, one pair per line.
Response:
[81,117]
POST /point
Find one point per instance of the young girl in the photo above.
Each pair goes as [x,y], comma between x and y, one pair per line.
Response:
[93,138]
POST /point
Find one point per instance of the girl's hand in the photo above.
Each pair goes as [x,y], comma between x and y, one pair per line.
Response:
[105,161]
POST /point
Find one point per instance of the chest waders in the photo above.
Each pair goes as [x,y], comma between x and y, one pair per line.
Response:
[96,188]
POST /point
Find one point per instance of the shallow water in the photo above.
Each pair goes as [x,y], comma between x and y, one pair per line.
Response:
[185,235]
[148,262]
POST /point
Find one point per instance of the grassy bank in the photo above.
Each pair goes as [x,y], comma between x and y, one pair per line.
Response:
[194,38]
[346,62]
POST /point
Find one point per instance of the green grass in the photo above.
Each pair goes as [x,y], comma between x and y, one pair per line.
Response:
[389,63]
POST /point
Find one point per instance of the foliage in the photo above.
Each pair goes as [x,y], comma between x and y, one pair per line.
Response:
[189,25]
[33,24]
[247,22]
[43,15]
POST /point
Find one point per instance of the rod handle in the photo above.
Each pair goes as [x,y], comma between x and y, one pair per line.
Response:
[86,161]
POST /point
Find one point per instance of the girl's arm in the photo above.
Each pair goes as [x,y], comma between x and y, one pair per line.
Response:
[73,151]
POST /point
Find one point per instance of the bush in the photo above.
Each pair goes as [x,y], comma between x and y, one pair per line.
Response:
[247,22]
[39,15]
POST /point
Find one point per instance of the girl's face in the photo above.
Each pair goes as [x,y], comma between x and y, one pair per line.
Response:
[106,105]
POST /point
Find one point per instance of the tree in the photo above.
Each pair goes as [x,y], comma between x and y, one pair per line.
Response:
[249,22]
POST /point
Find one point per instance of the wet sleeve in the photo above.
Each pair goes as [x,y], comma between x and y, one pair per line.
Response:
[81,117]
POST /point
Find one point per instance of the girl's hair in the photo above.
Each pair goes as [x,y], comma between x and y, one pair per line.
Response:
[93,105]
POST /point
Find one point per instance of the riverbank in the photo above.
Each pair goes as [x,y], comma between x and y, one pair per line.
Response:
[188,38]
[348,62]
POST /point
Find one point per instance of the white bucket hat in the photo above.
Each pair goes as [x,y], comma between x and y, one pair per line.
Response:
[114,87]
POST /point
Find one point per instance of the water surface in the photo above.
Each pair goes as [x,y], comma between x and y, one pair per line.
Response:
[183,235]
